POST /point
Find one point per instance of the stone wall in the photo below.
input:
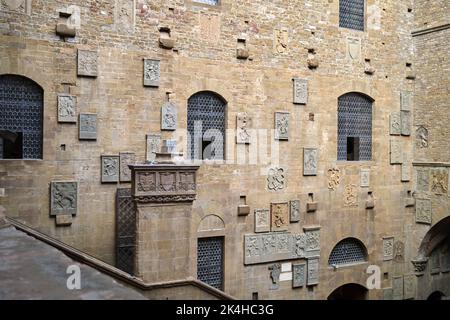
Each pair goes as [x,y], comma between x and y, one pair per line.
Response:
[204,58]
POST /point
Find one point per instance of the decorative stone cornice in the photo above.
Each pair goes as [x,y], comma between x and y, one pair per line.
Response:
[163,183]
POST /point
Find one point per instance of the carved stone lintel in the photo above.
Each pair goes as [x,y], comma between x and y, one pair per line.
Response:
[163,183]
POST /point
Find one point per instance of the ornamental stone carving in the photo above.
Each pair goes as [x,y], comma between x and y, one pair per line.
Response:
[279,213]
[243,122]
[353,48]
[87,129]
[162,183]
[309,161]
[388,248]
[87,63]
[23,6]
[63,198]
[365,177]
[169,116]
[280,41]
[275,271]
[110,168]
[395,127]
[313,271]
[439,181]
[300,91]
[312,235]
[281,125]
[351,195]
[153,146]
[67,108]
[276,179]
[334,178]
[399,251]
[298,275]
[423,180]
[423,211]
[396,152]
[422,137]
[294,211]
[152,73]
[420,266]
[262,220]
[126,158]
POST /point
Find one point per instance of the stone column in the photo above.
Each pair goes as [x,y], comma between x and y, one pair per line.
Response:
[163,194]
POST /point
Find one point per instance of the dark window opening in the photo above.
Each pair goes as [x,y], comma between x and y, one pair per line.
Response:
[255,296]
[12,147]
[207,149]
[352,149]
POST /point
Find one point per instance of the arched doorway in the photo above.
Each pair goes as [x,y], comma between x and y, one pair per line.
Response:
[437,295]
[349,291]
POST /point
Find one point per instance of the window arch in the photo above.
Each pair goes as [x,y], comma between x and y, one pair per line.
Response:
[206,126]
[21,118]
[354,127]
[351,14]
[348,251]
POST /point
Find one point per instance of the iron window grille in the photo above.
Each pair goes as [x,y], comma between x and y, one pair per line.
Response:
[125,230]
[210,261]
[351,14]
[355,127]
[348,251]
[21,118]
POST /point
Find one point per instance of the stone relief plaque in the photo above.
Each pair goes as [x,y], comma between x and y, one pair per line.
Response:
[276,179]
[67,108]
[397,288]
[87,126]
[209,27]
[146,182]
[406,170]
[409,286]
[439,181]
[187,181]
[294,211]
[273,246]
[313,271]
[279,213]
[153,146]
[87,63]
[243,122]
[262,220]
[309,161]
[406,100]
[298,275]
[110,168]
[126,158]
[169,116]
[365,178]
[406,123]
[388,248]
[422,137]
[396,152]
[281,125]
[312,242]
[167,182]
[275,271]
[334,177]
[351,195]
[124,15]
[399,251]
[63,198]
[23,6]
[280,41]
[423,211]
[152,73]
[395,127]
[300,91]
[353,48]
[423,180]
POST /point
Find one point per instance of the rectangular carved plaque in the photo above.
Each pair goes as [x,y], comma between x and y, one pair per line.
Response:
[406,100]
[423,211]
[295,211]
[298,275]
[243,124]
[126,158]
[110,168]
[423,180]
[300,91]
[151,73]
[67,108]
[395,127]
[87,129]
[281,125]
[87,63]
[396,152]
[63,198]
[262,220]
[365,177]
[313,271]
[388,248]
[279,213]
[153,146]
[309,161]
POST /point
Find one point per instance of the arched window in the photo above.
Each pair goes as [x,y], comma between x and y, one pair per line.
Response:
[21,118]
[348,251]
[351,14]
[354,127]
[206,126]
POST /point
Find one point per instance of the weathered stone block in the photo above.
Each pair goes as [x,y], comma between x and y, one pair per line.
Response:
[63,220]
[243,210]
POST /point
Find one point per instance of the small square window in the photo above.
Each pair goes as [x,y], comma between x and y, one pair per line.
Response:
[210,2]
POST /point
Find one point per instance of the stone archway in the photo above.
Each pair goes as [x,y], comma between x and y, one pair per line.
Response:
[436,295]
[349,291]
